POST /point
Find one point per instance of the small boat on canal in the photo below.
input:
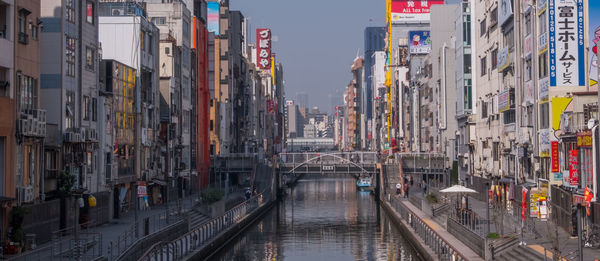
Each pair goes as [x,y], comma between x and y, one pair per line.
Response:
[364,183]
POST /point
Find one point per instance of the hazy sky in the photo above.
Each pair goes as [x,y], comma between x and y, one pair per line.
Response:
[316,40]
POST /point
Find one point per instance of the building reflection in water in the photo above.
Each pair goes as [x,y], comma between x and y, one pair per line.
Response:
[323,218]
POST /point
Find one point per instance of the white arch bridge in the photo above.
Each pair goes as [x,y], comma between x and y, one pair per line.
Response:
[356,163]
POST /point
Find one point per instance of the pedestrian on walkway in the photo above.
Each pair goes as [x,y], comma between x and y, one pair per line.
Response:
[410,179]
[398,187]
[406,190]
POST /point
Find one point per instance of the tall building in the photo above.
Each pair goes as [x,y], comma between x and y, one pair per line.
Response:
[464,85]
[302,99]
[69,74]
[374,41]
[127,24]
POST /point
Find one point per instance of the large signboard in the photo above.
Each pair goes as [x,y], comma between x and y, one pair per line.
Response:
[555,162]
[419,42]
[412,10]
[594,25]
[545,143]
[504,101]
[573,167]
[566,39]
[212,15]
[263,48]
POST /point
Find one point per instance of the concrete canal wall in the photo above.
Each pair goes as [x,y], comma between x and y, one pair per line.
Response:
[230,234]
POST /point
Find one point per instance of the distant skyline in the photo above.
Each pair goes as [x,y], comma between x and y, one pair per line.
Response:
[315,40]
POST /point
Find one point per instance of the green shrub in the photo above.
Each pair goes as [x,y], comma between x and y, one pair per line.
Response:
[211,195]
[431,198]
[493,235]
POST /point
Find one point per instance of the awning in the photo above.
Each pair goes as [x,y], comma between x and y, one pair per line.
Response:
[506,180]
[457,189]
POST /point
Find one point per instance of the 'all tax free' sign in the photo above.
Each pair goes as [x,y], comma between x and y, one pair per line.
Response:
[263,48]
[567,65]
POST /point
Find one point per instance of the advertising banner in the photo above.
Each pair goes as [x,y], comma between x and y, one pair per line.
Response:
[573,167]
[212,17]
[544,86]
[545,143]
[142,189]
[504,101]
[524,203]
[263,48]
[419,42]
[412,10]
[594,27]
[555,164]
[584,139]
[533,202]
[566,43]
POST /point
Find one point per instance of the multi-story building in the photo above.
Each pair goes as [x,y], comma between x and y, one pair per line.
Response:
[7,104]
[464,86]
[127,24]
[442,81]
[374,41]
[69,74]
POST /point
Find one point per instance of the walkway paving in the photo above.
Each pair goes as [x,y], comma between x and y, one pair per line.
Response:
[445,235]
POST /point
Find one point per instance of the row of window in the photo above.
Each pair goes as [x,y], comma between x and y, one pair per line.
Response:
[90,9]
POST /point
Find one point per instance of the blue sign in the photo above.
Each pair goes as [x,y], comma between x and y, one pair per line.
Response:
[566,43]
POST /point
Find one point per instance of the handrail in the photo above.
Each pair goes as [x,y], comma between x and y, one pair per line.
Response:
[410,220]
[199,236]
[332,155]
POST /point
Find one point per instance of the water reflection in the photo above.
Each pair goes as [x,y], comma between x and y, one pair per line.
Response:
[322,219]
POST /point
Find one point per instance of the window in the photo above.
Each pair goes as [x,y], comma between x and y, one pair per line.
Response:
[86,108]
[167,50]
[22,20]
[90,12]
[90,58]
[543,22]
[211,125]
[509,116]
[483,66]
[494,58]
[142,42]
[528,26]
[509,39]
[467,30]
[27,92]
[494,18]
[482,27]
[467,95]
[543,65]
[484,109]
[496,150]
[528,71]
[467,63]
[70,56]
[70,106]
[159,20]
[94,109]
[70,9]
[544,116]
[34,32]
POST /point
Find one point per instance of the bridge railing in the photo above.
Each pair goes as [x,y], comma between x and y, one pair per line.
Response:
[199,237]
[329,157]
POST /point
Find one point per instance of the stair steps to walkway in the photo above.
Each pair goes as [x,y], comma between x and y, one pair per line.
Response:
[520,253]
[196,218]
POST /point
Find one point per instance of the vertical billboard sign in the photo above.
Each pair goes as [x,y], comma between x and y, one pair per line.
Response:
[594,25]
[412,10]
[554,154]
[419,42]
[212,13]
[567,59]
[263,48]
[573,168]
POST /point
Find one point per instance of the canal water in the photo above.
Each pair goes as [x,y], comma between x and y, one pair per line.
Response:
[321,219]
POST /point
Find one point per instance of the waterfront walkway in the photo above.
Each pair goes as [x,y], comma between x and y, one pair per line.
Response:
[461,248]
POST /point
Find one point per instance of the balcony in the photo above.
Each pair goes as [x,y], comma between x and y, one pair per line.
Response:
[23,38]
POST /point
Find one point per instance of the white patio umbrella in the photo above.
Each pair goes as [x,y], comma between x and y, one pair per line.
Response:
[458,189]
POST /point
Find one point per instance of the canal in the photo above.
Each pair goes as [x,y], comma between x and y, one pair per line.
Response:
[321,219]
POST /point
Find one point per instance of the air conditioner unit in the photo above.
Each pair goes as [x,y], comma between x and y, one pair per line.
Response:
[28,194]
[117,11]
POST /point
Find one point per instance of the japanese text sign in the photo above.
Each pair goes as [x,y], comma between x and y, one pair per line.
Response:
[554,155]
[584,139]
[573,167]
[419,42]
[412,10]
[567,57]
[263,48]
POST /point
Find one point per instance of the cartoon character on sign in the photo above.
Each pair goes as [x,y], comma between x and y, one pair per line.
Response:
[594,58]
[416,39]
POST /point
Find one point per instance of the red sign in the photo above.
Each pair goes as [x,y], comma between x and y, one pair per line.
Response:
[412,10]
[263,48]
[524,203]
[554,154]
[584,139]
[573,167]
[141,189]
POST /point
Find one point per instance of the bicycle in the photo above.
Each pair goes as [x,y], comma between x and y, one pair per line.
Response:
[592,240]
